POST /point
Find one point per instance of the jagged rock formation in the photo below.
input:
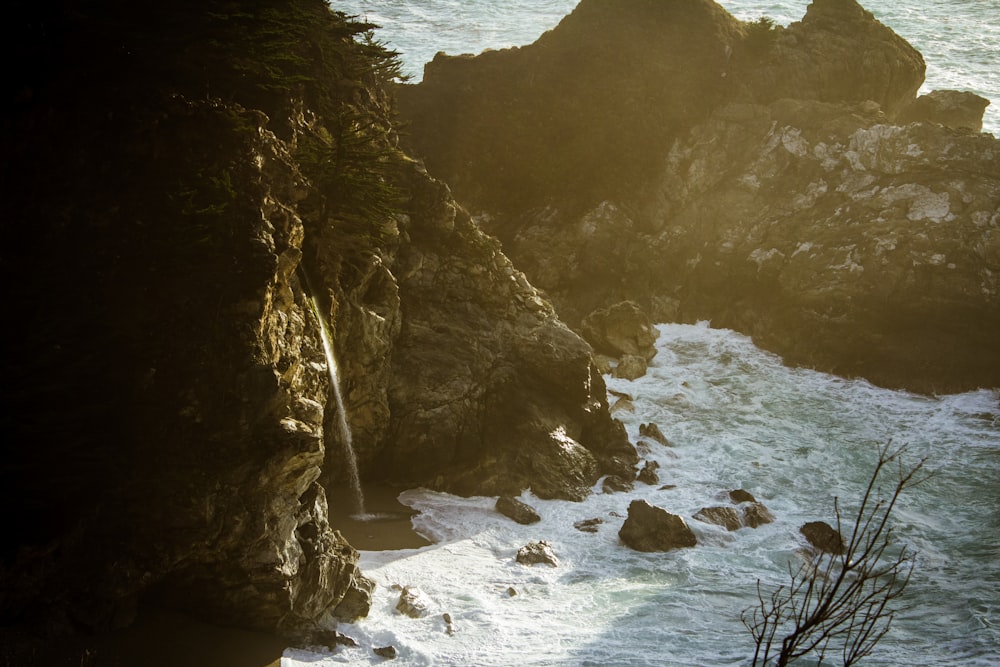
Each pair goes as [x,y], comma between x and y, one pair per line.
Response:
[534,553]
[650,528]
[179,193]
[785,198]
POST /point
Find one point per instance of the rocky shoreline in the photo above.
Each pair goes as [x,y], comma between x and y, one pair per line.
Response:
[184,184]
[804,195]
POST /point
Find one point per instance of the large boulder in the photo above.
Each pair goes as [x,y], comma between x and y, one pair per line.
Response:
[534,553]
[520,512]
[651,528]
[413,602]
[957,109]
[727,517]
[823,536]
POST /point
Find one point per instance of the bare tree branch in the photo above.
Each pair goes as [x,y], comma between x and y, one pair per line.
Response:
[841,599]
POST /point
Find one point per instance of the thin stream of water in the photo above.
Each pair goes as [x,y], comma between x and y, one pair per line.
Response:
[343,425]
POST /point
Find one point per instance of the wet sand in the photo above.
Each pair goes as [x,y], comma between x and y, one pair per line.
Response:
[168,639]
[157,638]
[388,525]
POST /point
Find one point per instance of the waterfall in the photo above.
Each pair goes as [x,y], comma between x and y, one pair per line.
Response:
[344,426]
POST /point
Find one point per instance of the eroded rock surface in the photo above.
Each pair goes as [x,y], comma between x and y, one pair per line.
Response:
[652,528]
[784,193]
[823,536]
[534,553]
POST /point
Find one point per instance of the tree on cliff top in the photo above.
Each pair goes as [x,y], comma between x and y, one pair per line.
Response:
[840,599]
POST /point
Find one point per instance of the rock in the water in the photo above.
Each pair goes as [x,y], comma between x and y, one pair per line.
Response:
[388,652]
[414,603]
[727,517]
[615,484]
[511,591]
[823,536]
[756,514]
[651,528]
[520,512]
[588,525]
[449,623]
[648,474]
[537,552]
[741,496]
[630,367]
[653,432]
[357,601]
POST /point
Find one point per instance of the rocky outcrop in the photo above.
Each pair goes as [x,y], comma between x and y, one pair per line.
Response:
[413,602]
[513,508]
[747,514]
[621,329]
[584,110]
[793,199]
[823,537]
[187,472]
[838,52]
[960,110]
[727,517]
[838,239]
[534,553]
[490,392]
[652,528]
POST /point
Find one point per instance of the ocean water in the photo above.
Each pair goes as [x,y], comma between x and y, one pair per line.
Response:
[960,39]
[736,417]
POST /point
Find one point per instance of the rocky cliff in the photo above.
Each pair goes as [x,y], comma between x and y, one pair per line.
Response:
[179,183]
[785,182]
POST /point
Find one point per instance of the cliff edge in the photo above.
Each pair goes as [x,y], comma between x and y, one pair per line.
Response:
[193,196]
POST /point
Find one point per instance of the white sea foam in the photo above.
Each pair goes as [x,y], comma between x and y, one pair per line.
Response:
[736,418]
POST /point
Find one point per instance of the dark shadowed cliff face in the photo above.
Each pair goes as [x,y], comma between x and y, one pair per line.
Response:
[169,182]
[780,199]
[579,114]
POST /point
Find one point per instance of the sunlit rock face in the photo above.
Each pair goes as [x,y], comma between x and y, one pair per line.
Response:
[169,417]
[799,200]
